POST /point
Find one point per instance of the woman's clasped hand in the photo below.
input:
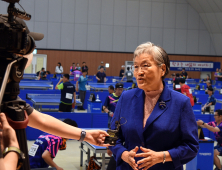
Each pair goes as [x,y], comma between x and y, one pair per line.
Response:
[150,158]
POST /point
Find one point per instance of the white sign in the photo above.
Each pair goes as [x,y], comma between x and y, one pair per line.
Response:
[191,64]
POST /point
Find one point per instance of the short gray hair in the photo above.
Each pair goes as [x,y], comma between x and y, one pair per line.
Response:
[158,53]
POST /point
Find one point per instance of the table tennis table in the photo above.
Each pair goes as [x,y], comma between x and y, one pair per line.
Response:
[118,79]
[100,86]
[39,100]
[191,81]
[39,84]
[30,76]
[219,101]
[95,150]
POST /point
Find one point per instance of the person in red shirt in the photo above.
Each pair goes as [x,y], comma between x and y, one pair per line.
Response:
[185,89]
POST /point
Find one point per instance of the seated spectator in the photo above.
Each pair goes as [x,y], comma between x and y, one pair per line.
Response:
[45,148]
[48,72]
[42,74]
[111,89]
[72,69]
[85,67]
[211,100]
[176,83]
[59,69]
[77,73]
[185,89]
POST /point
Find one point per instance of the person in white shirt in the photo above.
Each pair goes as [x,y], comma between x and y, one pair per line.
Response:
[59,68]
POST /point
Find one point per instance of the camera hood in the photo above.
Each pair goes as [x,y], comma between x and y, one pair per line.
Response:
[36,36]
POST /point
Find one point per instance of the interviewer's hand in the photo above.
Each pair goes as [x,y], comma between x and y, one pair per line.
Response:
[59,168]
[7,133]
[199,122]
[128,157]
[150,158]
[96,137]
[109,152]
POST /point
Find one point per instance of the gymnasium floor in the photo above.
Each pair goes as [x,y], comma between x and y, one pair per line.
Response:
[69,159]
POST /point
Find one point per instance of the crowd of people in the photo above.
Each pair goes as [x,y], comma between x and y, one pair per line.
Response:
[213,126]
[140,144]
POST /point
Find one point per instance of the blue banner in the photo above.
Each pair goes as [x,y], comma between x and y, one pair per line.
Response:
[194,66]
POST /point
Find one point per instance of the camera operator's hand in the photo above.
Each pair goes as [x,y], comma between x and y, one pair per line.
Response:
[7,133]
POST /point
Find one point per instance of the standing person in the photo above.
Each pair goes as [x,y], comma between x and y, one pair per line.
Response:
[121,73]
[82,81]
[72,69]
[209,85]
[68,93]
[45,148]
[176,83]
[173,76]
[111,89]
[59,68]
[184,73]
[216,128]
[110,103]
[210,101]
[129,75]
[78,67]
[220,75]
[216,74]
[148,138]
[77,73]
[85,67]
[101,76]
[207,79]
[101,65]
[42,74]
[185,89]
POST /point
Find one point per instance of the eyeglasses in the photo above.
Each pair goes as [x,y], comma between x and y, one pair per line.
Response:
[143,67]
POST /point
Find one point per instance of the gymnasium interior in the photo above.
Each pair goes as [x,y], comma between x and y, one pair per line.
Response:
[103,34]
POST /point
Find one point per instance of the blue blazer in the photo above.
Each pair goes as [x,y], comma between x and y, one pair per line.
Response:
[171,128]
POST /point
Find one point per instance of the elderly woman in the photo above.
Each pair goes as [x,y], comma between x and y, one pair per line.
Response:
[160,131]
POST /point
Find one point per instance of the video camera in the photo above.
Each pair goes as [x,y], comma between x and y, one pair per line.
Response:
[15,41]
[14,33]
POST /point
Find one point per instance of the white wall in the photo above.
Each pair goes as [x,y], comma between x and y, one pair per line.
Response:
[211,14]
[118,25]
